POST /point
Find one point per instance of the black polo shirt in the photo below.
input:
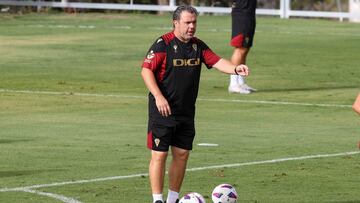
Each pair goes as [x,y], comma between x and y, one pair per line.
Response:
[177,67]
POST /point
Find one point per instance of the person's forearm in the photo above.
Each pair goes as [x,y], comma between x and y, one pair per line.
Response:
[161,102]
[226,66]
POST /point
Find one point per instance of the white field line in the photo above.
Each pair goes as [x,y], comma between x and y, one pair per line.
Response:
[73,182]
[51,195]
[274,161]
[200,99]
[189,169]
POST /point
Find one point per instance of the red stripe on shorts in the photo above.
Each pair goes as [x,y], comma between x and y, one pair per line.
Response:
[237,41]
[149,140]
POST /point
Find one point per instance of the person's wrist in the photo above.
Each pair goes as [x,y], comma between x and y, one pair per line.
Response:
[236,70]
[157,95]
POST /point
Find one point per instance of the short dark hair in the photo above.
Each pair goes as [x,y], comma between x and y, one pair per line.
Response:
[180,9]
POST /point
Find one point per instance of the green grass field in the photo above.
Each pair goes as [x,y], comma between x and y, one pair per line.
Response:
[73,107]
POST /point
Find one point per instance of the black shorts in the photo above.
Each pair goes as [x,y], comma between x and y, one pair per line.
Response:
[243,23]
[177,133]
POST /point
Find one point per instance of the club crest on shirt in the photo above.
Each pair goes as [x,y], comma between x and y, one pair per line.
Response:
[157,142]
[150,55]
[175,48]
[194,46]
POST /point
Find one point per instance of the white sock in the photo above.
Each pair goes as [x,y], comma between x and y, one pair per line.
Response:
[236,80]
[240,79]
[157,197]
[233,80]
[172,196]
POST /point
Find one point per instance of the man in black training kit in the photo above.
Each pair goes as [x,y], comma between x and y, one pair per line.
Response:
[243,17]
[171,72]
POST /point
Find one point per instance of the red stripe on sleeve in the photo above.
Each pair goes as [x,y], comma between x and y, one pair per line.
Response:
[210,58]
[154,61]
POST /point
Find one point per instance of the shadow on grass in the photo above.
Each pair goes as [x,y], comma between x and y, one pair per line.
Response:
[4,174]
[9,141]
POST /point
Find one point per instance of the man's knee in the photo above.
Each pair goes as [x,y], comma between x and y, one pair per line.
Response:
[180,154]
[158,156]
[241,51]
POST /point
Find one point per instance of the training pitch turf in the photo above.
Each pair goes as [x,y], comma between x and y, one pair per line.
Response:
[73,111]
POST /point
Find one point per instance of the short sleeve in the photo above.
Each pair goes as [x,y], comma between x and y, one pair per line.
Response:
[208,56]
[155,56]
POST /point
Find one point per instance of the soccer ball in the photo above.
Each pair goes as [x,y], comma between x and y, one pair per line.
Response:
[192,197]
[224,193]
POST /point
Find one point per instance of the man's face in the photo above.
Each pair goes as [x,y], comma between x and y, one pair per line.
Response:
[185,27]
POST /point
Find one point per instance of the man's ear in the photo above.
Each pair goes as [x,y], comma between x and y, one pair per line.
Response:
[175,22]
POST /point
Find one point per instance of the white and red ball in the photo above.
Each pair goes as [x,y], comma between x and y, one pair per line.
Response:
[224,193]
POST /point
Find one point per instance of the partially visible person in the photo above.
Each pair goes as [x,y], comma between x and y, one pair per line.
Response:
[356,105]
[243,31]
[171,71]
